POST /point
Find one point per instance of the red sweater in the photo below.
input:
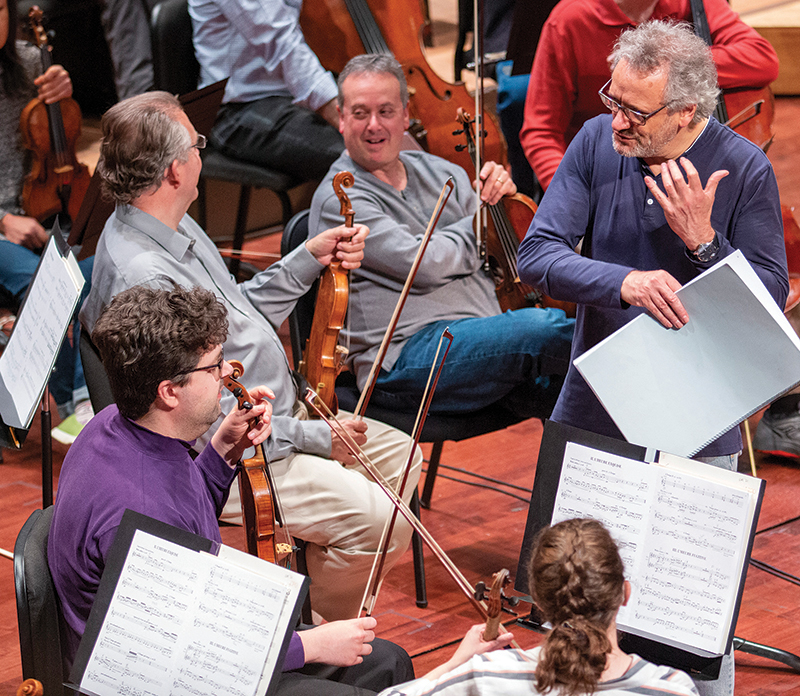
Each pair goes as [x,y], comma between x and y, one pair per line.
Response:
[571,66]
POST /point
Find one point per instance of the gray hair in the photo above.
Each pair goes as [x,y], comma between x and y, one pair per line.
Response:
[141,138]
[375,63]
[691,74]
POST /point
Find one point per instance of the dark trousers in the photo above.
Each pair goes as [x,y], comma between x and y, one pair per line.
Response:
[279,135]
[386,665]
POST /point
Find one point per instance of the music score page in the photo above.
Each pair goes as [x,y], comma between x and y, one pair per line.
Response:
[187,623]
[683,532]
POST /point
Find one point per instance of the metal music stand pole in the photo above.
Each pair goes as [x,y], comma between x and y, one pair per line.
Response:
[47,451]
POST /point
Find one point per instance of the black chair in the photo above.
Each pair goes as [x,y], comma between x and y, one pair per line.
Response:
[438,427]
[176,70]
[41,629]
[95,374]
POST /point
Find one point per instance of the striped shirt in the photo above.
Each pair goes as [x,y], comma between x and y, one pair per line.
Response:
[512,673]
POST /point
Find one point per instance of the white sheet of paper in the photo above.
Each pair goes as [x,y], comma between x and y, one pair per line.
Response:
[184,623]
[682,540]
[677,391]
[27,360]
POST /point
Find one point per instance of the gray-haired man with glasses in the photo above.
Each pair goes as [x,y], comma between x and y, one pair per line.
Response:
[658,191]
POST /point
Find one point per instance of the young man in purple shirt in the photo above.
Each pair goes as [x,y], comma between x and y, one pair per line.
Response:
[162,350]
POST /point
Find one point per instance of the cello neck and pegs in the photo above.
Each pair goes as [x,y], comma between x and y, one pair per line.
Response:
[57,182]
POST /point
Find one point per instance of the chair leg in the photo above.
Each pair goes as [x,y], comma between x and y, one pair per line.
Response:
[430,477]
[419,558]
[286,206]
[302,568]
[241,228]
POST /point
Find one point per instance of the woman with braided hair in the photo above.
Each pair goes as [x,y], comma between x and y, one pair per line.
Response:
[578,583]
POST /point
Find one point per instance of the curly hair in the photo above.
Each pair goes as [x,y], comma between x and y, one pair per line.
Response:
[376,64]
[577,581]
[691,73]
[148,335]
[141,138]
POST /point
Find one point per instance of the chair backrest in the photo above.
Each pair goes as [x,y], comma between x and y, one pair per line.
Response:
[95,374]
[38,612]
[175,68]
[302,316]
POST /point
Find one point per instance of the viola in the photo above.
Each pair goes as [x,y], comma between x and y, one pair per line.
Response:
[337,30]
[323,357]
[506,226]
[265,530]
[57,182]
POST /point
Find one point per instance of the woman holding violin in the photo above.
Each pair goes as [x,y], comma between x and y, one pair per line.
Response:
[577,581]
[23,237]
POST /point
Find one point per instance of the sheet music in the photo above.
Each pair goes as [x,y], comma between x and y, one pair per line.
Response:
[682,540]
[186,624]
[29,357]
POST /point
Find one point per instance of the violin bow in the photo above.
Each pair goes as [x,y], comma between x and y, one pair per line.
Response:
[363,401]
[324,413]
[376,574]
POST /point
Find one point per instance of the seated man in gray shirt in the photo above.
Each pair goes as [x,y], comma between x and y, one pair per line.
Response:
[514,359]
[150,165]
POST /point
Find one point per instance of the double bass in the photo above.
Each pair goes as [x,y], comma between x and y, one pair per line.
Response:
[57,182]
[337,30]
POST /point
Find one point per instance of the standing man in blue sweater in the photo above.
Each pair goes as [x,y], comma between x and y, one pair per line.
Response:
[658,191]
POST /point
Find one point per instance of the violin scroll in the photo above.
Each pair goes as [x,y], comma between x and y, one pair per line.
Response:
[494,601]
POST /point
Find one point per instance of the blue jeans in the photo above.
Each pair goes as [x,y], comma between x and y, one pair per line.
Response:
[517,359]
[67,384]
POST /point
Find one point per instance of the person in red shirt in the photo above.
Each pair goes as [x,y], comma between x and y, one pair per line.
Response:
[571,66]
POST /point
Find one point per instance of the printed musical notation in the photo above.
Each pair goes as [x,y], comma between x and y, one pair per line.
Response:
[682,539]
[185,623]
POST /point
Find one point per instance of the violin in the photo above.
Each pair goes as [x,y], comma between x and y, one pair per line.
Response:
[506,226]
[337,30]
[265,530]
[494,602]
[57,182]
[323,357]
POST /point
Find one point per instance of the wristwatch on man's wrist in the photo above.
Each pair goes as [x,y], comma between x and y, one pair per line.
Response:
[706,252]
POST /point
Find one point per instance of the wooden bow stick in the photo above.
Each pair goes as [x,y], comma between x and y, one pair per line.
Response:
[319,407]
[361,407]
[376,574]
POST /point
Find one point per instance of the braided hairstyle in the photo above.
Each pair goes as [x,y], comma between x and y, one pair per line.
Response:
[577,581]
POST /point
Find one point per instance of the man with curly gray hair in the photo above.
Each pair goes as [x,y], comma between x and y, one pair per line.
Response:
[658,191]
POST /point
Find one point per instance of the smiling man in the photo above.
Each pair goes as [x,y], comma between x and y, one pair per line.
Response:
[514,359]
[658,192]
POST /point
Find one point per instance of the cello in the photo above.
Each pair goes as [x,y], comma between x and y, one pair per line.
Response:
[57,182]
[337,30]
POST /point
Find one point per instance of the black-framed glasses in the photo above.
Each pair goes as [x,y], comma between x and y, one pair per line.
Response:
[634,116]
[215,366]
[201,143]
